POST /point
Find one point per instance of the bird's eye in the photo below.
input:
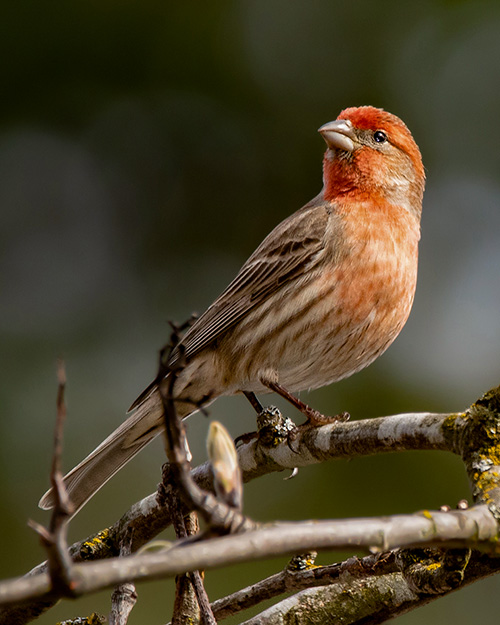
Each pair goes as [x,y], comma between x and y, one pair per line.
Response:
[379,136]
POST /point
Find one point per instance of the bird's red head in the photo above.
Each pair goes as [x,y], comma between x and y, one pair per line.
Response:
[372,153]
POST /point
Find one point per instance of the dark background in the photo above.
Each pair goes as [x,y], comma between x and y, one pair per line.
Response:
[145,150]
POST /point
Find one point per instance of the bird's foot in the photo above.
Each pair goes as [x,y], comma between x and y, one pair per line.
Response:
[317,419]
[314,417]
[273,428]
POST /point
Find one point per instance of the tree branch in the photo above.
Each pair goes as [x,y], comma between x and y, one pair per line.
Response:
[472,528]
[473,434]
[124,596]
[293,580]
[376,599]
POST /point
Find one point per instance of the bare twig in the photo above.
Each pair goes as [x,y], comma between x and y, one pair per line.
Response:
[54,538]
[62,498]
[123,600]
[187,595]
[290,580]
[219,516]
[124,596]
[206,614]
[176,447]
[186,605]
[196,577]
[186,608]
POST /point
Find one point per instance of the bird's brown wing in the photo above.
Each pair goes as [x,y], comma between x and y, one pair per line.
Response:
[286,253]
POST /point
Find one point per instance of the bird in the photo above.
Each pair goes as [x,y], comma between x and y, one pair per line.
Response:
[323,295]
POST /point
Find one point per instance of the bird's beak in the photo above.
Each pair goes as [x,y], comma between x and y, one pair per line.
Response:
[339,135]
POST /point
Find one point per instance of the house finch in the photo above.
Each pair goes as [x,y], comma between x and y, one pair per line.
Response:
[321,297]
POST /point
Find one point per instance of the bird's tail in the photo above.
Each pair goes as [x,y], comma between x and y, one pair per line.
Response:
[122,445]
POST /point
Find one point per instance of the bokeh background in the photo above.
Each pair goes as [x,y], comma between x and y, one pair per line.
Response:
[145,150]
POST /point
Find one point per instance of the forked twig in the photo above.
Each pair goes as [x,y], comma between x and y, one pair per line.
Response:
[54,538]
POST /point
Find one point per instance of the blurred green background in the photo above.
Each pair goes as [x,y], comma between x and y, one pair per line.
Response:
[145,150]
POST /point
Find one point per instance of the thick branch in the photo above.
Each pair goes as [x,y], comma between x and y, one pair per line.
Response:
[375,599]
[475,528]
[290,580]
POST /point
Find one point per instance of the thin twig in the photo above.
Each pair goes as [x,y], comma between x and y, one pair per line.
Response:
[124,596]
[207,618]
[176,447]
[219,516]
[54,538]
[186,606]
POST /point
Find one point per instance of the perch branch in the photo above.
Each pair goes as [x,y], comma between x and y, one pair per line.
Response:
[462,433]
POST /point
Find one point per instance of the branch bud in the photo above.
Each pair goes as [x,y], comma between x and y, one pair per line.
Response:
[225,467]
